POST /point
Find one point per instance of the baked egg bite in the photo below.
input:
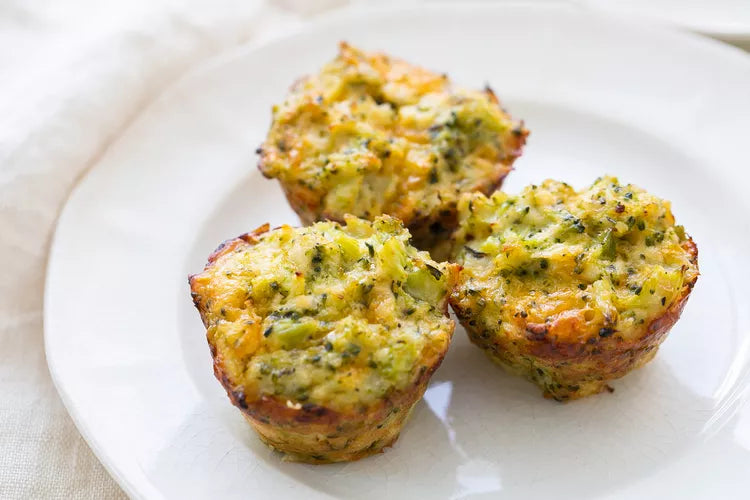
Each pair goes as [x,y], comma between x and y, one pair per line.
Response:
[571,289]
[371,134]
[325,336]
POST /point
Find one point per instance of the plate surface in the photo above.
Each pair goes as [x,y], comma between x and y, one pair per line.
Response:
[667,111]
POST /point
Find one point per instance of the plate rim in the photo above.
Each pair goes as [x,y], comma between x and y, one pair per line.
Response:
[718,31]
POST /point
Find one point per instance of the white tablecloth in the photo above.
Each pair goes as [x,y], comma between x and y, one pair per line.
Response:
[72,75]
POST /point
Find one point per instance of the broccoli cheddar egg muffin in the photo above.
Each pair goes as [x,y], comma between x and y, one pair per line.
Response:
[325,336]
[570,288]
[371,134]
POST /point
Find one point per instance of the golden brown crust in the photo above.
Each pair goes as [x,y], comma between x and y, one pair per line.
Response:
[568,288]
[309,432]
[224,248]
[572,370]
[317,435]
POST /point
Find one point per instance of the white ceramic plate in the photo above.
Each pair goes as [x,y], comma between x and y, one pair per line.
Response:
[668,111]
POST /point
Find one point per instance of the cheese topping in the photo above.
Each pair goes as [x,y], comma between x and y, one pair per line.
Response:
[372,134]
[337,316]
[568,266]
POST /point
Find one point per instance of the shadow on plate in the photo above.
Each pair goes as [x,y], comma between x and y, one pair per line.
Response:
[481,432]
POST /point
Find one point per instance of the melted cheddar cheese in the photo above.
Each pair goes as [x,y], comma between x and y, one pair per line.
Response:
[371,134]
[570,265]
[338,316]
